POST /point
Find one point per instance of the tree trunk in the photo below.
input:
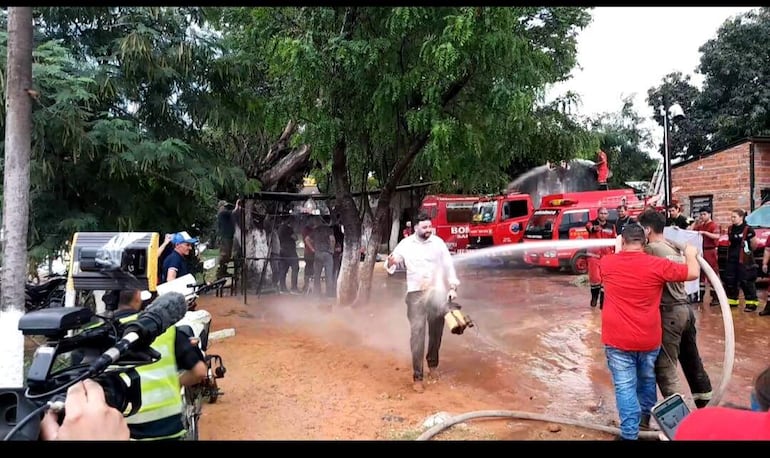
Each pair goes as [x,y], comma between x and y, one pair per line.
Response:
[375,240]
[347,282]
[258,221]
[397,208]
[18,142]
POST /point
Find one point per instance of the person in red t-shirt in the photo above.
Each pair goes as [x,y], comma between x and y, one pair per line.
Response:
[631,328]
[709,230]
[724,424]
[602,170]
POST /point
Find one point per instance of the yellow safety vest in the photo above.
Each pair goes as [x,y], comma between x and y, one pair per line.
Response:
[160,387]
[161,390]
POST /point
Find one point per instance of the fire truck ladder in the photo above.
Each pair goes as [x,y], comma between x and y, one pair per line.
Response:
[657,180]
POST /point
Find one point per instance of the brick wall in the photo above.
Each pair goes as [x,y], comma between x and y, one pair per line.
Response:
[725,175]
[761,171]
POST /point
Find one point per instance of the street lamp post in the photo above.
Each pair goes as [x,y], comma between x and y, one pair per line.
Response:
[676,113]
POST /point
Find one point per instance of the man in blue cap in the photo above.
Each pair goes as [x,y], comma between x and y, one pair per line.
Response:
[175,264]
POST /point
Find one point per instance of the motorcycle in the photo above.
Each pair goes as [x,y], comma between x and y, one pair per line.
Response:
[49,293]
[196,325]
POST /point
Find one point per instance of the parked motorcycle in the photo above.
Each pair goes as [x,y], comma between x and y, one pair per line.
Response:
[48,293]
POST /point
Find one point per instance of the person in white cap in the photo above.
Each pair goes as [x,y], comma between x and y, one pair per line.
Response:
[175,264]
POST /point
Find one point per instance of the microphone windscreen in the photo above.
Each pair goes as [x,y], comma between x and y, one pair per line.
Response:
[169,308]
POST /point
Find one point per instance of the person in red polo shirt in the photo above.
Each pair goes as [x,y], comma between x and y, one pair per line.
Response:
[709,230]
[631,328]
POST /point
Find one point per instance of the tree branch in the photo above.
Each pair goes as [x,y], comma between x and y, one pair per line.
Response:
[286,166]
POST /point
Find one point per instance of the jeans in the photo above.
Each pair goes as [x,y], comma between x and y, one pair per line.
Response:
[323,261]
[289,261]
[633,375]
[422,310]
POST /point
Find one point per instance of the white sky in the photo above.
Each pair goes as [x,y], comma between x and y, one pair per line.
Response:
[627,50]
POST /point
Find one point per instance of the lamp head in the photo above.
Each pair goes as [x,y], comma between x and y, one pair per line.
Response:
[675,112]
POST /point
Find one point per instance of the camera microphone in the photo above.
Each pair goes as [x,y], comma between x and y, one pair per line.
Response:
[163,313]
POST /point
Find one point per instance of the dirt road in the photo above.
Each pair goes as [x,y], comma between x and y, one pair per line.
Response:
[298,371]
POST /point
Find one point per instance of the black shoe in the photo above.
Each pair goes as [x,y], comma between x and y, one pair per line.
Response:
[765,311]
[750,308]
[644,424]
[593,302]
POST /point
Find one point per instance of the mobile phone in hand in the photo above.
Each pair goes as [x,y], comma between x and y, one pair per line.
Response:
[669,412]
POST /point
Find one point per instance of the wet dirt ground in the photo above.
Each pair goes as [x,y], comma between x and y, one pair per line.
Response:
[298,371]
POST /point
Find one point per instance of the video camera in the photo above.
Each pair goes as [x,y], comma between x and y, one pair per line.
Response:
[105,350]
[114,261]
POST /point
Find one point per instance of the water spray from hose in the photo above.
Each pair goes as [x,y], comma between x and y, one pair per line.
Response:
[727,364]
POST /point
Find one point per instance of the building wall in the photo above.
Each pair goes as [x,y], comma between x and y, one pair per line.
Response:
[725,176]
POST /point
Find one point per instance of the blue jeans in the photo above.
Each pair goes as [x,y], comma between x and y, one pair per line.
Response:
[633,375]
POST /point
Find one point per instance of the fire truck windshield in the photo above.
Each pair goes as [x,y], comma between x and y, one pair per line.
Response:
[759,217]
[541,224]
[484,212]
[458,212]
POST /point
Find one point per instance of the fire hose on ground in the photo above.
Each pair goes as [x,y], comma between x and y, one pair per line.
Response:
[727,370]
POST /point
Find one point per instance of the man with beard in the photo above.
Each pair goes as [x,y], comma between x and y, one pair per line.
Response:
[623,220]
[431,280]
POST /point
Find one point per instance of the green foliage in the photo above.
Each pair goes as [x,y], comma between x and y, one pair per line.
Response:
[736,89]
[118,126]
[382,79]
[688,136]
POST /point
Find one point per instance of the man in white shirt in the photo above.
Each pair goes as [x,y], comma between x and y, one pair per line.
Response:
[431,281]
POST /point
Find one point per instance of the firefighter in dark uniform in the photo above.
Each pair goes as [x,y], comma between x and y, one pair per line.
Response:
[599,228]
[623,219]
[741,270]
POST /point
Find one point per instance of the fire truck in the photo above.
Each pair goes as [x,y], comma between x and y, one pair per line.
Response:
[451,217]
[564,217]
[499,219]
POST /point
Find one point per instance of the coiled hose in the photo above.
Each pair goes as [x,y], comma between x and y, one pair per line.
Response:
[729,359]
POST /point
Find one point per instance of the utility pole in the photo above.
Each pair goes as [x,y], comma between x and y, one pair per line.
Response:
[18,143]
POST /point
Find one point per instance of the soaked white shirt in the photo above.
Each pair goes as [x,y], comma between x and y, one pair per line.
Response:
[684,236]
[428,263]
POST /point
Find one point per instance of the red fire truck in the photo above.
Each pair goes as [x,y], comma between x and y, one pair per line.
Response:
[500,219]
[451,217]
[564,217]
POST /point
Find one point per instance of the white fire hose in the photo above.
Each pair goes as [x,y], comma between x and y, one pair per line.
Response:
[727,370]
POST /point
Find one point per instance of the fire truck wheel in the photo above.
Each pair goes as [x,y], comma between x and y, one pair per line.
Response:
[579,263]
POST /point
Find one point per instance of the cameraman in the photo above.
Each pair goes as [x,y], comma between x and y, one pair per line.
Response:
[160,416]
[87,417]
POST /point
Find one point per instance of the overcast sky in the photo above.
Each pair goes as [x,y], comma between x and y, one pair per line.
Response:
[627,50]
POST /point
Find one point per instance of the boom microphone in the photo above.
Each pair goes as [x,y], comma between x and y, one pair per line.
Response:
[166,310]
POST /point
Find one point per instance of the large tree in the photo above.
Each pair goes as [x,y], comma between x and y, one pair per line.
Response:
[121,136]
[687,136]
[736,90]
[18,132]
[379,88]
